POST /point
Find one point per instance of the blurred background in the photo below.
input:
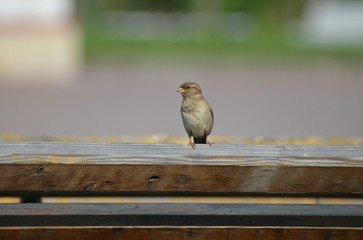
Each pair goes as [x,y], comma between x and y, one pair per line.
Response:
[269,68]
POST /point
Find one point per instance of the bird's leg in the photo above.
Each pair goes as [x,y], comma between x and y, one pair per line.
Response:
[191,143]
[209,142]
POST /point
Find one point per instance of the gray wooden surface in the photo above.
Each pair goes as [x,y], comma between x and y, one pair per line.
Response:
[123,169]
[106,153]
[180,214]
[32,170]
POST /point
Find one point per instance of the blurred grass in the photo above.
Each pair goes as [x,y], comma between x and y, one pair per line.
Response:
[256,49]
[269,36]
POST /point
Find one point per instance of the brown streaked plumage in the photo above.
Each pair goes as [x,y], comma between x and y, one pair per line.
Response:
[196,113]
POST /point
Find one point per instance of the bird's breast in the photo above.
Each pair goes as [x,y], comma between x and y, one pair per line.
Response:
[197,118]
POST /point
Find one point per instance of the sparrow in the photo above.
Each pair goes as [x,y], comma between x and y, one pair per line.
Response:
[196,113]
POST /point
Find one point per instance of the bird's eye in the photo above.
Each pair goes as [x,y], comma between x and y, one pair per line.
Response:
[188,87]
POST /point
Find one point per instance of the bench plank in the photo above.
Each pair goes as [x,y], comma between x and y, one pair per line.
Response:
[178,233]
[48,168]
[180,214]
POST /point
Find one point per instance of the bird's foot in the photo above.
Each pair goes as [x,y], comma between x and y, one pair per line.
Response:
[191,143]
[210,143]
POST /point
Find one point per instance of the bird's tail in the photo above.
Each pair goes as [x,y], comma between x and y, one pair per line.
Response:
[201,140]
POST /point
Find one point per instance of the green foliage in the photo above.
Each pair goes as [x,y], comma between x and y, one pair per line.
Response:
[146,5]
[269,36]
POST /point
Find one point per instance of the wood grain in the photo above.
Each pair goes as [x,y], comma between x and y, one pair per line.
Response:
[180,214]
[127,169]
[38,169]
[179,233]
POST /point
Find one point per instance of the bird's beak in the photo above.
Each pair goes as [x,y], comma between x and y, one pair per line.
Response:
[181,90]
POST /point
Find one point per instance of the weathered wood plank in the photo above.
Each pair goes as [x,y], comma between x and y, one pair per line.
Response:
[123,169]
[179,233]
[172,151]
[180,214]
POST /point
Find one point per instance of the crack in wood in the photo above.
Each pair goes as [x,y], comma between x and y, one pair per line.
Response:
[153,178]
[37,170]
[89,186]
[150,182]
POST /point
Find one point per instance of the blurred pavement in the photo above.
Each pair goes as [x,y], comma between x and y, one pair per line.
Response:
[318,98]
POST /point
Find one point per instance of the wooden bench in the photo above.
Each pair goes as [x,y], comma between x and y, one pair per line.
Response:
[35,170]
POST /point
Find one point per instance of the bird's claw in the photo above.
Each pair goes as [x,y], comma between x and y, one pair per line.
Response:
[210,143]
[191,143]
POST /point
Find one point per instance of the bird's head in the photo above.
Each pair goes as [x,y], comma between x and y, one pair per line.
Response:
[190,90]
